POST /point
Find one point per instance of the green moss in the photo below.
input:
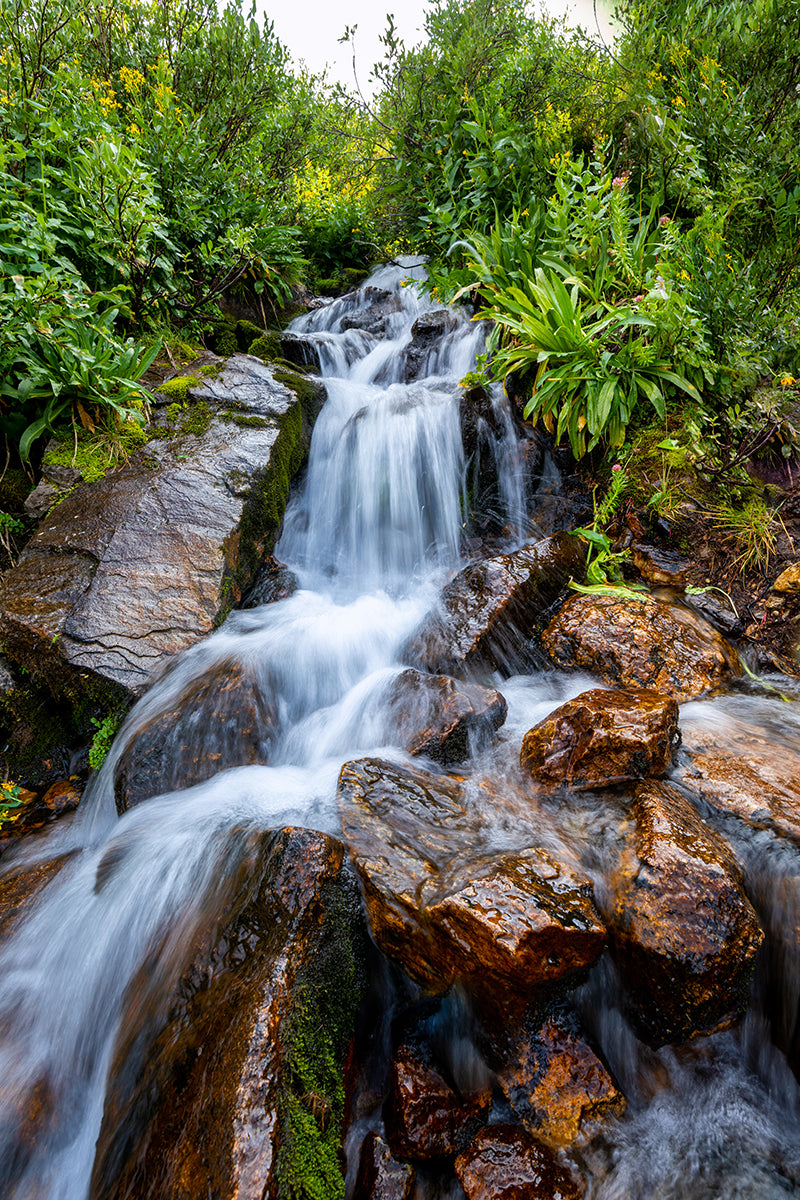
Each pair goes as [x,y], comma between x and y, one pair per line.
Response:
[267,501]
[173,412]
[198,419]
[221,337]
[246,420]
[179,387]
[266,347]
[93,454]
[307,390]
[14,488]
[315,1040]
[246,334]
[209,370]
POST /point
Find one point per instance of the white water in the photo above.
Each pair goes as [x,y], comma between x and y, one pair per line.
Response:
[376,529]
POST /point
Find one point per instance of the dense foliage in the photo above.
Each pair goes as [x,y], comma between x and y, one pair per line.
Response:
[628,216]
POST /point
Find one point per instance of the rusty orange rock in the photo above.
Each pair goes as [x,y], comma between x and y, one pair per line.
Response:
[683,933]
[603,737]
[557,1085]
[442,718]
[641,642]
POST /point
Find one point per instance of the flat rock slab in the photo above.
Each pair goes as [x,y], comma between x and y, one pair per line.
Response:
[603,737]
[683,933]
[504,924]
[134,568]
[641,642]
[486,614]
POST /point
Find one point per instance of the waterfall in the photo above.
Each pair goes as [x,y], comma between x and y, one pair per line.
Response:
[379,524]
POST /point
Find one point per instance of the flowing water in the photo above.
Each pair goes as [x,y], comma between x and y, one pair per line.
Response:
[376,528]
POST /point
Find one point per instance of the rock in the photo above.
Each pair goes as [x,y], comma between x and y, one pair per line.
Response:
[747,775]
[274,581]
[683,933]
[486,613]
[233,1087]
[7,681]
[140,564]
[788,582]
[556,1084]
[485,434]
[603,737]
[425,1116]
[442,719]
[223,719]
[505,1163]
[302,351]
[659,567]
[506,925]
[381,1177]
[419,356]
[62,797]
[377,317]
[20,886]
[41,499]
[718,609]
[641,642]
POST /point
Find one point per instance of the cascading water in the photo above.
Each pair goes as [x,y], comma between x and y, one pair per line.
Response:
[371,536]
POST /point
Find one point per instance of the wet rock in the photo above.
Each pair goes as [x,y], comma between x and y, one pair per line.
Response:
[223,719]
[788,582]
[683,933]
[443,719]
[132,568]
[376,317]
[41,499]
[641,642]
[485,615]
[299,350]
[484,435]
[425,1116]
[426,335]
[747,776]
[232,1087]
[718,610]
[20,887]
[505,1163]
[660,567]
[506,925]
[381,1177]
[557,1085]
[274,581]
[602,738]
[7,681]
[62,797]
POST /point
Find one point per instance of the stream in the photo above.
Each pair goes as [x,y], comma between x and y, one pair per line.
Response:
[375,529]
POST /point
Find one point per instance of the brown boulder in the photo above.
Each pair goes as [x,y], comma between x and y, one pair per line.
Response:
[221,720]
[62,797]
[556,1084]
[641,642]
[426,1117]
[233,1086]
[20,887]
[504,1162]
[683,933]
[443,719]
[504,924]
[381,1177]
[486,613]
[603,737]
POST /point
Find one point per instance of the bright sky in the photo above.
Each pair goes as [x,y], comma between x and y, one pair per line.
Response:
[311,29]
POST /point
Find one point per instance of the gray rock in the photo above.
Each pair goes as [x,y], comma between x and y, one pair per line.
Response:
[136,567]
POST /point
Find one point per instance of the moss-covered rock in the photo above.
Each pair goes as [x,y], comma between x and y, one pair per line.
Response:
[267,347]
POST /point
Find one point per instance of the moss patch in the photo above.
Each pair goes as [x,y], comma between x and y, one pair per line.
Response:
[178,388]
[266,347]
[93,454]
[246,420]
[197,419]
[315,1041]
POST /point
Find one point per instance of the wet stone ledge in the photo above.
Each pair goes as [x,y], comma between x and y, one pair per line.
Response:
[131,569]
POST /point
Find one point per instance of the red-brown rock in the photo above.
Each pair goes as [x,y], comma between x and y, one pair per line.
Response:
[504,1162]
[641,642]
[683,932]
[19,888]
[233,1082]
[442,719]
[557,1085]
[486,614]
[62,797]
[221,720]
[381,1177]
[425,1115]
[504,924]
[603,737]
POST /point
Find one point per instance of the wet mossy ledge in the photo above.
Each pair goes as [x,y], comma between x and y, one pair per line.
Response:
[130,568]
